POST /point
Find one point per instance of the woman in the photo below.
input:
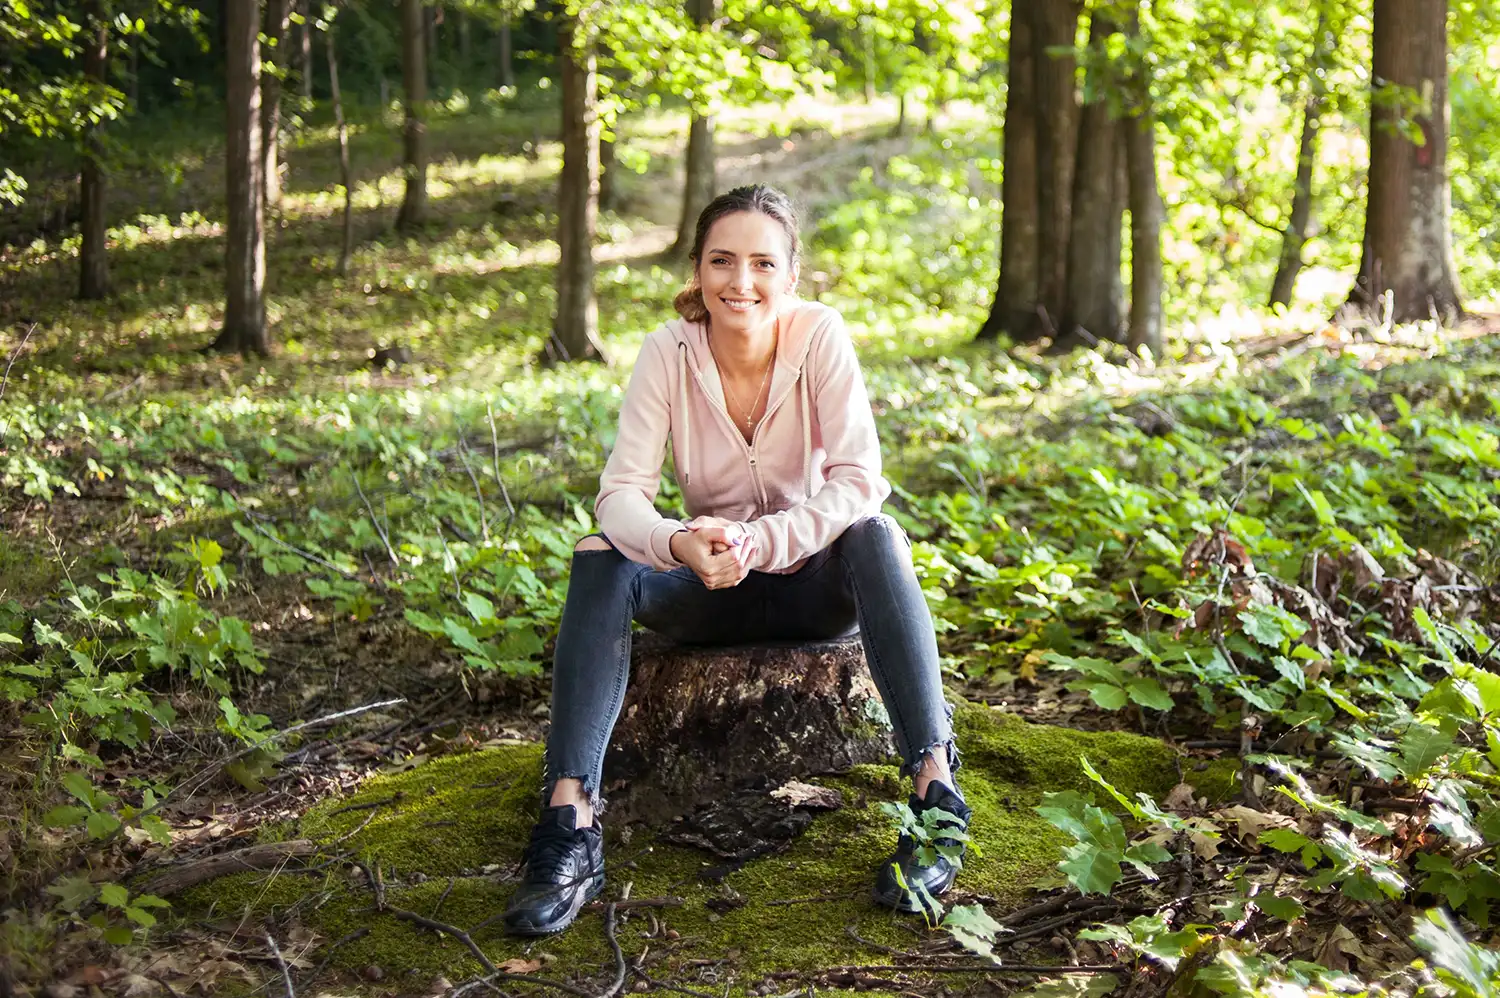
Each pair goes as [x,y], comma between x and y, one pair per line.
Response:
[775,451]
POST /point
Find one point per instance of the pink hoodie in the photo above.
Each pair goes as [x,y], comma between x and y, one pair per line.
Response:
[813,467]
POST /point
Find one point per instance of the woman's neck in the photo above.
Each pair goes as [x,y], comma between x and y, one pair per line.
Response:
[745,355]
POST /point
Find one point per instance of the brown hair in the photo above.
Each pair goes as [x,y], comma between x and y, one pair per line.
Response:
[755,197]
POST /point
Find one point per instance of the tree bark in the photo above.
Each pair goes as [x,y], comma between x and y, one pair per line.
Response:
[1014,307]
[700,182]
[1116,229]
[507,69]
[609,194]
[93,255]
[305,50]
[575,327]
[278,13]
[1295,235]
[245,243]
[1055,25]
[414,78]
[1088,314]
[345,173]
[698,723]
[1408,246]
[1145,235]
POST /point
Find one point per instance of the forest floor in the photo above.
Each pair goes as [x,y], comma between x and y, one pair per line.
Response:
[265,546]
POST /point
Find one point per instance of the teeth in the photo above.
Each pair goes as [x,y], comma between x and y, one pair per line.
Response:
[738,305]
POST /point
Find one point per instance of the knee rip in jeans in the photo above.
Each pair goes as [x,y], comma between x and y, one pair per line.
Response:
[593,542]
[590,794]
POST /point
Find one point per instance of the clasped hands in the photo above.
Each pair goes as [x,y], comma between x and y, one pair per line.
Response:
[719,551]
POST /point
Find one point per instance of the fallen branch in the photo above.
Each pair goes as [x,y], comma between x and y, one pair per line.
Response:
[366,805]
[264,857]
[14,354]
[359,933]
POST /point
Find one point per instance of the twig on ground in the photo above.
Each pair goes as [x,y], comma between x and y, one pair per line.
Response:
[653,984]
[510,507]
[218,767]
[850,931]
[250,517]
[446,929]
[500,975]
[1403,937]
[261,857]
[449,890]
[484,516]
[385,538]
[367,805]
[5,380]
[359,933]
[614,944]
[286,972]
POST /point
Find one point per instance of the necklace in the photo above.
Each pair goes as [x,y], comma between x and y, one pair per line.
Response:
[748,417]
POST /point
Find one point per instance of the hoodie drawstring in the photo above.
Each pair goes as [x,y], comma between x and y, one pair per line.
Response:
[806,435]
[682,408]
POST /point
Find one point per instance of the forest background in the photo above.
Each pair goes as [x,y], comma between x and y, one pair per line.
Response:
[1178,322]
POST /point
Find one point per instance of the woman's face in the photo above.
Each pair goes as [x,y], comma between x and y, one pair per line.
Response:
[745,271]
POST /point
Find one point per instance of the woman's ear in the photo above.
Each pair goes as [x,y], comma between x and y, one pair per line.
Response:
[791,284]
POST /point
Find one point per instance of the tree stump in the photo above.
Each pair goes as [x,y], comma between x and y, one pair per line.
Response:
[699,723]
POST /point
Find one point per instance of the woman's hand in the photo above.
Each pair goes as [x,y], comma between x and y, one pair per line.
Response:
[719,551]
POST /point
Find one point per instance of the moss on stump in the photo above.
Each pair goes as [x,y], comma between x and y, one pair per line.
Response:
[467,817]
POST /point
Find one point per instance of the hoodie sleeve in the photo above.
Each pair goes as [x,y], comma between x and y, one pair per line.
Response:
[853,486]
[632,475]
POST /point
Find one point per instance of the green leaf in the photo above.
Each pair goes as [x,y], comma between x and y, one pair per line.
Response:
[1288,909]
[1319,503]
[1090,869]
[160,833]
[140,916]
[114,895]
[65,816]
[479,607]
[1107,696]
[1149,693]
[73,892]
[1271,625]
[119,935]
[7,638]
[101,824]
[974,929]
[79,786]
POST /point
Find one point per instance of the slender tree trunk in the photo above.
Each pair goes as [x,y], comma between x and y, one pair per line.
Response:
[867,44]
[93,256]
[305,50]
[1055,26]
[1408,246]
[278,13]
[575,328]
[899,128]
[414,78]
[608,173]
[507,69]
[1088,314]
[245,244]
[1145,235]
[1116,229]
[346,175]
[1295,236]
[464,51]
[1014,307]
[700,182]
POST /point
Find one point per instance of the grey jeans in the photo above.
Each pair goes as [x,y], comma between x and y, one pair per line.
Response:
[863,580]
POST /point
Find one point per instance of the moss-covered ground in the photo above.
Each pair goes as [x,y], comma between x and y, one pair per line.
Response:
[447,836]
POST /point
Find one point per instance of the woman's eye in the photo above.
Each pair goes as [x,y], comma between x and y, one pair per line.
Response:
[718,259]
[768,264]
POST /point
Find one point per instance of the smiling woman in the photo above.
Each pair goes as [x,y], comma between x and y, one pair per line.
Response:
[786,542]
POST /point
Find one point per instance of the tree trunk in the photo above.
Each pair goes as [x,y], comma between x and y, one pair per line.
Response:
[699,723]
[414,78]
[1116,229]
[1014,307]
[305,50]
[278,13]
[1408,248]
[699,181]
[244,237]
[93,256]
[609,194]
[1088,314]
[463,37]
[345,173]
[507,69]
[1145,235]
[575,327]
[1295,236]
[1055,25]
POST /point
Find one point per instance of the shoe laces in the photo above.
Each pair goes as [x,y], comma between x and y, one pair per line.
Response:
[547,852]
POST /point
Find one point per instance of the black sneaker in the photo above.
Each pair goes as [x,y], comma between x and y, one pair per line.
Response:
[564,871]
[935,878]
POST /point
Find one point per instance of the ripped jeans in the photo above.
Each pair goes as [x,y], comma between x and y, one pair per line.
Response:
[863,580]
